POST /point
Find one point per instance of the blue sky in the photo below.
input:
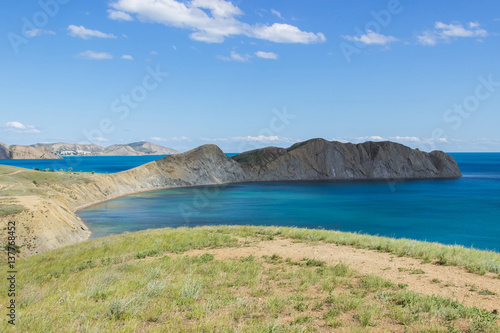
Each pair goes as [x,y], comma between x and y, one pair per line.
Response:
[248,74]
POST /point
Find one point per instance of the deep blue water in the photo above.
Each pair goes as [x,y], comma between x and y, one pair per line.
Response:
[100,164]
[463,211]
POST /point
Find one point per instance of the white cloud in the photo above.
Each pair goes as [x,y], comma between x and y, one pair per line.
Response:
[406,138]
[15,124]
[266,55]
[211,20]
[278,14]
[371,138]
[215,140]
[428,38]
[85,33]
[390,138]
[424,144]
[99,139]
[260,138]
[236,57]
[372,38]
[286,33]
[249,138]
[457,30]
[39,32]
[119,15]
[446,32]
[95,55]
[153,53]
[127,57]
[176,138]
[18,127]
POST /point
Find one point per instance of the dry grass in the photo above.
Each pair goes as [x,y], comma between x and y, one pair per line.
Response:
[143,282]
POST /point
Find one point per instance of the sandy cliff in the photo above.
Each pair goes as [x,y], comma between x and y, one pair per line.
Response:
[53,224]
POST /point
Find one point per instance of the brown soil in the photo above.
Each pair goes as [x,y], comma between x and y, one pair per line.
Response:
[455,282]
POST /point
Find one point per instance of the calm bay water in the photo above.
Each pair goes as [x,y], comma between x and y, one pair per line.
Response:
[100,164]
[463,211]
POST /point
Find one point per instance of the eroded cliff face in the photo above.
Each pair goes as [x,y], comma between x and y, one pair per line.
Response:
[319,159]
[4,152]
[51,223]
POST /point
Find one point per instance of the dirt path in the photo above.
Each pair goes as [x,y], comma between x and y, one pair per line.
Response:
[15,172]
[455,282]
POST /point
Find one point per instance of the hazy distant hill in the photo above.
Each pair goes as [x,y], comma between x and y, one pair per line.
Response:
[56,150]
[140,148]
[131,149]
[79,149]
[17,152]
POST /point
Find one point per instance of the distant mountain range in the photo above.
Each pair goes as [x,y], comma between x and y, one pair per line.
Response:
[60,149]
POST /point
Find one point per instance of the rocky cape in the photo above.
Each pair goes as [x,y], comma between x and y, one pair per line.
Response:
[53,223]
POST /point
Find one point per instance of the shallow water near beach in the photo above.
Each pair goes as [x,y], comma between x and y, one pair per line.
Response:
[463,211]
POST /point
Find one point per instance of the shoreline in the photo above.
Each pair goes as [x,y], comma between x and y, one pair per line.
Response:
[379,181]
[54,223]
[341,181]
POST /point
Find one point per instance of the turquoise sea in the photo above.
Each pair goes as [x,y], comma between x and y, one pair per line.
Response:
[101,164]
[463,211]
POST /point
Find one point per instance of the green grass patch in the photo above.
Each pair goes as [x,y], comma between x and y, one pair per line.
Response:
[144,281]
[6,210]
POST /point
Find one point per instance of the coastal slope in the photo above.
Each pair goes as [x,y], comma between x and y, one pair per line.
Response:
[17,152]
[316,159]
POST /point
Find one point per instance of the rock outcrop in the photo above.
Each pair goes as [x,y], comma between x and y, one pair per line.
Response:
[318,159]
[4,152]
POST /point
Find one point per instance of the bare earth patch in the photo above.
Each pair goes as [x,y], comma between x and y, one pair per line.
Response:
[426,279]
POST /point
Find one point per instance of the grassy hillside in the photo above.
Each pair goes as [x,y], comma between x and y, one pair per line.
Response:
[152,281]
[16,181]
